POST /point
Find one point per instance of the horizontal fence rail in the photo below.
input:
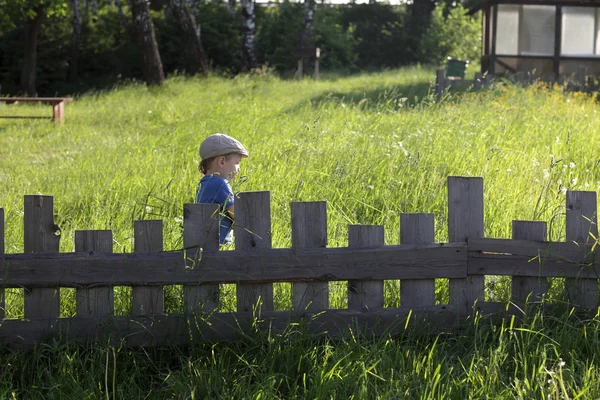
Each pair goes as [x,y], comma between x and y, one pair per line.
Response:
[309,266]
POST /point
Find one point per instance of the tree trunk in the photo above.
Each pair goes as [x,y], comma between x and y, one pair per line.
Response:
[419,22]
[146,41]
[232,8]
[249,25]
[307,48]
[124,20]
[32,29]
[75,39]
[195,58]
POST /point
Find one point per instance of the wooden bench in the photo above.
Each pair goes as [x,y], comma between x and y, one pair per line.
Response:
[57,103]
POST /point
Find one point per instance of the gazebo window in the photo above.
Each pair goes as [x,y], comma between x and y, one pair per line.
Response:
[580,31]
[526,30]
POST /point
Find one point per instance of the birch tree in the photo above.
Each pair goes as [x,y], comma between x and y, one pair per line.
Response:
[146,41]
[195,58]
[75,40]
[248,30]
[307,47]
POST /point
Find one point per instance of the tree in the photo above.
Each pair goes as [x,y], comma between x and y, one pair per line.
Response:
[248,30]
[146,41]
[75,39]
[307,47]
[195,58]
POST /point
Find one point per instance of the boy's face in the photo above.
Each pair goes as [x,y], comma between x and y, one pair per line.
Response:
[230,166]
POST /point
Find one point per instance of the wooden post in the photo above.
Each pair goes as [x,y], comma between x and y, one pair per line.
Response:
[58,112]
[417,229]
[581,77]
[41,235]
[100,301]
[465,221]
[2,250]
[365,295]
[200,232]
[440,83]
[591,84]
[528,288]
[147,238]
[478,81]
[317,57]
[488,80]
[520,78]
[582,227]
[309,230]
[253,233]
[299,69]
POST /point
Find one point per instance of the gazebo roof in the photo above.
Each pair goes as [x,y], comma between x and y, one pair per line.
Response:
[485,3]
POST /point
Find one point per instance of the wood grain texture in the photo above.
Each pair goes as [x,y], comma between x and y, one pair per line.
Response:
[417,229]
[96,302]
[309,230]
[147,238]
[465,222]
[267,265]
[41,235]
[530,289]
[365,294]
[253,235]
[2,249]
[200,234]
[582,227]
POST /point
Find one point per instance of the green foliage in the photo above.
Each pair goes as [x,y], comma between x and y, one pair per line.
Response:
[453,34]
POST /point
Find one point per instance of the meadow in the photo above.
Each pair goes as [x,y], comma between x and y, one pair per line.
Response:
[373,146]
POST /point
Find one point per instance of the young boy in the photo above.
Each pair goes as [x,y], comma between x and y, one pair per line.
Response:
[221,156]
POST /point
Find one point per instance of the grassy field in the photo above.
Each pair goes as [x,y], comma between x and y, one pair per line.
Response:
[373,146]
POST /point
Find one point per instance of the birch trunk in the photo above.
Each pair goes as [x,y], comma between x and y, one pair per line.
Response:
[195,58]
[307,48]
[248,29]
[32,30]
[75,40]
[146,41]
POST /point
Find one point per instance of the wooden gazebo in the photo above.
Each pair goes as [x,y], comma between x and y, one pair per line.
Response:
[548,37]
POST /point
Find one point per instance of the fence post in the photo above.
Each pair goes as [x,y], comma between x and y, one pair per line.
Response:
[365,295]
[309,230]
[440,82]
[417,229]
[582,227]
[317,58]
[477,82]
[94,302]
[465,221]
[488,80]
[299,72]
[253,233]
[41,235]
[2,250]
[581,77]
[529,287]
[147,238]
[200,232]
[520,78]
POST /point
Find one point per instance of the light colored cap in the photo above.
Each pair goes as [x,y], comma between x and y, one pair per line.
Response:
[220,144]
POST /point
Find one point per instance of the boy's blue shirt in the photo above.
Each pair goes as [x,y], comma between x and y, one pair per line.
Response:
[216,190]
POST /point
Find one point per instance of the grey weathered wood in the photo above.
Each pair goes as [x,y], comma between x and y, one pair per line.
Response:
[488,80]
[365,294]
[582,227]
[200,234]
[477,83]
[269,265]
[2,294]
[180,330]
[568,251]
[520,78]
[440,82]
[97,302]
[465,222]
[253,234]
[41,235]
[309,230]
[529,288]
[417,229]
[147,238]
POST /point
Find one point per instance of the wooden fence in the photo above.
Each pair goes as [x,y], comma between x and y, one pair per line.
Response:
[309,265]
[575,82]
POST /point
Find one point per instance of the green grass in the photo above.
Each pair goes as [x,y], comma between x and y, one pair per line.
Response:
[373,146]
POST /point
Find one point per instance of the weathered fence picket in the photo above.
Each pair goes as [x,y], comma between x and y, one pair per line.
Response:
[365,294]
[253,234]
[148,238]
[200,233]
[309,230]
[100,301]
[309,266]
[41,235]
[465,222]
[529,288]
[582,227]
[417,229]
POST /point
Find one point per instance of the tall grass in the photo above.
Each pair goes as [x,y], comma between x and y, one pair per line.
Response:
[373,146]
